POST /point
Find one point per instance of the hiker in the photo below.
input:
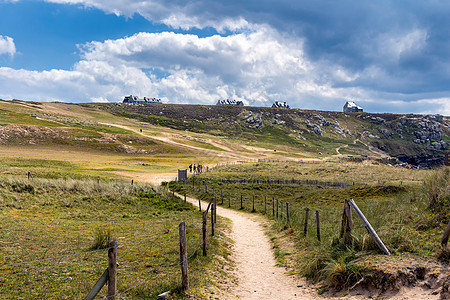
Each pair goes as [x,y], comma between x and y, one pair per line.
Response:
[195,168]
[190,168]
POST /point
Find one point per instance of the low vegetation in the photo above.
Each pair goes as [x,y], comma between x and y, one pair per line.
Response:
[408,209]
[55,232]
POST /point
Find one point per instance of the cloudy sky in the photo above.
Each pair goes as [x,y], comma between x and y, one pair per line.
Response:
[387,56]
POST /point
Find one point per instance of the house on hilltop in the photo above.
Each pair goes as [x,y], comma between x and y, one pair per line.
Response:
[229,102]
[135,99]
[351,106]
[279,104]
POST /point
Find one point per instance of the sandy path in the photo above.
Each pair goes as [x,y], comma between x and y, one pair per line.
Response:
[258,277]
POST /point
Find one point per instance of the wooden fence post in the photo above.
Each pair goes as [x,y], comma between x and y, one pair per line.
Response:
[318,224]
[132,181]
[213,208]
[253,208]
[242,206]
[446,235]
[277,209]
[347,224]
[305,230]
[183,257]
[229,200]
[281,210]
[204,224]
[112,270]
[199,205]
[369,228]
[273,206]
[287,212]
[221,195]
[184,197]
[265,204]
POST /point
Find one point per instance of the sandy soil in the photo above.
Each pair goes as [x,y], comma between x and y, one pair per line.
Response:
[258,277]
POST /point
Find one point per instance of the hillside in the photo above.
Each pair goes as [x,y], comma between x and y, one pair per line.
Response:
[308,132]
[234,133]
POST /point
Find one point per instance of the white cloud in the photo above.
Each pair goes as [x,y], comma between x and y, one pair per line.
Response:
[7,45]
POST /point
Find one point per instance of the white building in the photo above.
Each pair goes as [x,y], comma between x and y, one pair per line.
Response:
[351,106]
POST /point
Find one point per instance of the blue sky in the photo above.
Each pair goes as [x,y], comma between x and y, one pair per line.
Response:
[388,56]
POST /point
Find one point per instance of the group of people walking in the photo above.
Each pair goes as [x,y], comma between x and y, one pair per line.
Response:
[198,168]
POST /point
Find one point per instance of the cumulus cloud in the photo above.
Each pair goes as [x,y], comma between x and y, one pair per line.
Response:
[313,54]
[7,45]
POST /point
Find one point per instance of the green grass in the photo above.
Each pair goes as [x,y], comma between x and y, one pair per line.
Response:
[50,226]
[396,206]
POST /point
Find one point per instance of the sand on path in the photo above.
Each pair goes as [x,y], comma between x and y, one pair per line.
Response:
[258,277]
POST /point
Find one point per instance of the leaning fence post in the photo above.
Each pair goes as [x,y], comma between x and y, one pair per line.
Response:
[204,223]
[318,224]
[446,235]
[184,197]
[199,205]
[369,228]
[183,257]
[112,270]
[305,230]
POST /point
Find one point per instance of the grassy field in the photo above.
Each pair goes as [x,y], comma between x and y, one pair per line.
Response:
[53,234]
[395,200]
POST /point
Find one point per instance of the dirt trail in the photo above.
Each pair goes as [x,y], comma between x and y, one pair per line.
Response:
[258,277]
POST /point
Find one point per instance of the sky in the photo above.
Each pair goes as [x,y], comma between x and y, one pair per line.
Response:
[386,55]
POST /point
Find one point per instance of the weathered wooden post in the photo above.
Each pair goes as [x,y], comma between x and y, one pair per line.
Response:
[277,209]
[242,206]
[229,200]
[132,181]
[347,224]
[185,197]
[318,224]
[253,208]
[112,270]
[221,195]
[446,235]
[204,224]
[369,228]
[273,206]
[98,180]
[183,257]
[213,208]
[281,210]
[305,230]
[287,212]
[199,205]
[265,204]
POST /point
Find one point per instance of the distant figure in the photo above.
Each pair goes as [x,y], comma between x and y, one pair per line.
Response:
[140,130]
[190,168]
[195,168]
